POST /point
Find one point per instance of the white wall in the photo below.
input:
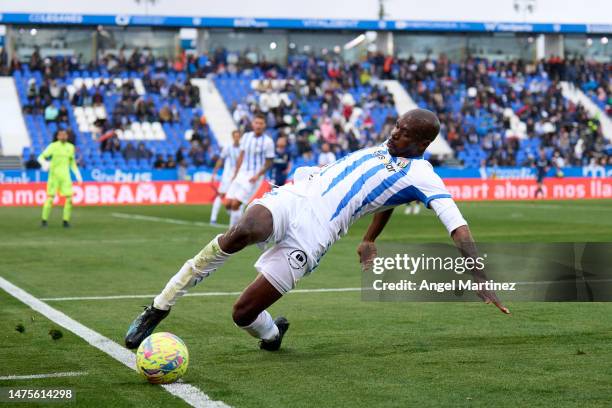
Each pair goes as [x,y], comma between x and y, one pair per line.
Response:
[546,11]
[13,133]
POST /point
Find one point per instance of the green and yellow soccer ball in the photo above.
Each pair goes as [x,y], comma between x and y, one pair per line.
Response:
[162,358]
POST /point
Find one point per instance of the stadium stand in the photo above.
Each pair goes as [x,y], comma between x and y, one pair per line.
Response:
[110,109]
[138,112]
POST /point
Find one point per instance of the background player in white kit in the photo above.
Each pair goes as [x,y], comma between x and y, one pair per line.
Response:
[227,159]
[255,159]
[304,219]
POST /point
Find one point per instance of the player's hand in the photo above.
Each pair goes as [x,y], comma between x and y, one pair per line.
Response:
[488,296]
[253,179]
[367,252]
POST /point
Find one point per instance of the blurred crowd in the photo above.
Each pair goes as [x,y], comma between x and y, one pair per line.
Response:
[503,113]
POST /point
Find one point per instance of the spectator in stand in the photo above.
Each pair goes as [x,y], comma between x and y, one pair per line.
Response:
[181,155]
[165,114]
[142,153]
[159,162]
[62,116]
[326,156]
[32,163]
[170,163]
[281,164]
[51,113]
[129,152]
[196,154]
[111,144]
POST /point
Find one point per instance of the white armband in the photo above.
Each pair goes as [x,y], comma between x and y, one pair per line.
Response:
[448,213]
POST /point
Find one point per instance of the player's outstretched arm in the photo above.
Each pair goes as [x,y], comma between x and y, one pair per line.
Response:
[466,245]
[367,249]
[267,166]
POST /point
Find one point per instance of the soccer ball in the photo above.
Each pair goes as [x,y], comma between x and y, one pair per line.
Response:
[162,358]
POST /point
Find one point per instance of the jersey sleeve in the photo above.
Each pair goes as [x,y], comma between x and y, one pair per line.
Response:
[269,148]
[448,213]
[429,185]
[48,152]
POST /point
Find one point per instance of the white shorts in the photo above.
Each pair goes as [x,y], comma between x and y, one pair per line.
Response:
[298,241]
[226,181]
[242,189]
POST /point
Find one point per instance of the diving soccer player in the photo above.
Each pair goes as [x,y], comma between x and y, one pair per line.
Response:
[61,155]
[303,220]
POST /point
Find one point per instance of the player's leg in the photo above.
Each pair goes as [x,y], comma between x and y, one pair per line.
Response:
[48,205]
[215,208]
[280,268]
[66,191]
[539,190]
[250,314]
[236,195]
[256,226]
[226,181]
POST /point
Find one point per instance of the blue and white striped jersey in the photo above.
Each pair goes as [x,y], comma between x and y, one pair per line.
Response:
[367,181]
[256,150]
[229,154]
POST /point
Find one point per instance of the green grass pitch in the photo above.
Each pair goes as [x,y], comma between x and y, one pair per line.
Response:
[339,352]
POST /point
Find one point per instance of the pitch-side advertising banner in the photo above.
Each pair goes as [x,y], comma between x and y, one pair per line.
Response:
[176,192]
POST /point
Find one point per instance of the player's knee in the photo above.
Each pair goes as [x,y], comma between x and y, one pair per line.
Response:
[240,235]
[243,314]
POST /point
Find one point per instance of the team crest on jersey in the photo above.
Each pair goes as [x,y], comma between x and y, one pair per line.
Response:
[402,162]
[297,259]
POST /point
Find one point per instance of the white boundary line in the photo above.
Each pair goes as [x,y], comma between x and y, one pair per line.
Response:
[166,220]
[188,393]
[323,290]
[50,375]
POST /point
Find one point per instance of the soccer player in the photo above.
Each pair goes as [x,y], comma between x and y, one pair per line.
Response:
[61,155]
[228,158]
[254,160]
[304,219]
[542,166]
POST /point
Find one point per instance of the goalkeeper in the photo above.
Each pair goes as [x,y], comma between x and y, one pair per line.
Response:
[58,158]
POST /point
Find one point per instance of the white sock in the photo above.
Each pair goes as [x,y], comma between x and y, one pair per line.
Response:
[215,209]
[234,217]
[263,327]
[208,260]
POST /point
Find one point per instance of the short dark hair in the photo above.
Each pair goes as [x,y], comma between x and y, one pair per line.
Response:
[259,115]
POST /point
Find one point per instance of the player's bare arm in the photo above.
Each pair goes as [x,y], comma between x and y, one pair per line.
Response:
[367,248]
[215,170]
[260,173]
[238,164]
[467,247]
